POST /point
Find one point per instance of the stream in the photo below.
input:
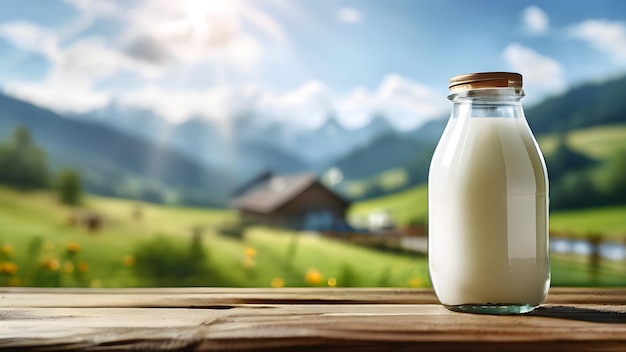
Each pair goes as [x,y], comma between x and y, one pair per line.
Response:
[608,249]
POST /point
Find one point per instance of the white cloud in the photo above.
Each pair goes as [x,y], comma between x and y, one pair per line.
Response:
[231,33]
[535,20]
[605,36]
[176,105]
[307,105]
[59,97]
[349,15]
[89,11]
[97,7]
[73,71]
[30,37]
[407,104]
[539,71]
[158,40]
[69,83]
[162,38]
[88,60]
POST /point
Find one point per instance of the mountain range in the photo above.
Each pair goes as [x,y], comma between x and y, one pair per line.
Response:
[133,153]
[113,162]
[255,142]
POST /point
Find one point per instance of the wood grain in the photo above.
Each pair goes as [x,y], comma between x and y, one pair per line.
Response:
[217,319]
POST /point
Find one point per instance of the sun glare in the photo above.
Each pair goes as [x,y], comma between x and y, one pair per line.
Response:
[216,22]
[231,34]
[197,10]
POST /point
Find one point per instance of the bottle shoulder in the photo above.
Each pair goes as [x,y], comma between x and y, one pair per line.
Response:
[485,152]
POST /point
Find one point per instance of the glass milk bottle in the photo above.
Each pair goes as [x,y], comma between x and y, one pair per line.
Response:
[488,201]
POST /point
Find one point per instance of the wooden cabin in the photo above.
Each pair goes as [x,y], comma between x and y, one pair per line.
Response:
[297,201]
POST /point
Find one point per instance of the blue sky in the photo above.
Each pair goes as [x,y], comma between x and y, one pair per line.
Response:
[297,61]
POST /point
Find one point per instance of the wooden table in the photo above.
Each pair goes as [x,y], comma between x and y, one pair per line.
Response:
[188,319]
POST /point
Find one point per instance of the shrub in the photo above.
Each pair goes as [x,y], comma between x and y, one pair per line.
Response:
[22,163]
[163,261]
[348,276]
[70,187]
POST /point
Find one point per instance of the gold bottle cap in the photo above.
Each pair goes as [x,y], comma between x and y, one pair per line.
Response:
[485,80]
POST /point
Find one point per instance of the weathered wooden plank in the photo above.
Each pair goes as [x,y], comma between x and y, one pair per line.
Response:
[206,297]
[304,319]
[299,325]
[215,297]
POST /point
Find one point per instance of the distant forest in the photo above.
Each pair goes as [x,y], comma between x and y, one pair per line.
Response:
[579,181]
[576,179]
[24,165]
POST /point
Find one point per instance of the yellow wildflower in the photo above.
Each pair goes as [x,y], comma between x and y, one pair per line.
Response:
[313,277]
[52,264]
[82,267]
[7,250]
[250,252]
[332,282]
[68,267]
[278,282]
[8,268]
[128,260]
[416,282]
[72,247]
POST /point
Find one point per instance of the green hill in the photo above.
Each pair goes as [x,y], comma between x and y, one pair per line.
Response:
[591,104]
[44,243]
[598,107]
[608,221]
[404,207]
[597,142]
[115,163]
[41,244]
[412,205]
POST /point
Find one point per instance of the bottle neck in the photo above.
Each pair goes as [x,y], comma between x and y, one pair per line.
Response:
[494,102]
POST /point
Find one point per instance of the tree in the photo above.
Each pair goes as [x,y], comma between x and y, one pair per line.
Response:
[22,163]
[616,178]
[576,189]
[70,187]
[565,159]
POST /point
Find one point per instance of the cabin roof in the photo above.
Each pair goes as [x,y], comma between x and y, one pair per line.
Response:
[275,191]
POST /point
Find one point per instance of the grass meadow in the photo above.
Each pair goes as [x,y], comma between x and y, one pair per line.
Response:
[597,142]
[39,240]
[43,244]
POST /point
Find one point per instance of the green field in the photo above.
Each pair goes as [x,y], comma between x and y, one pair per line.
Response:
[598,142]
[404,207]
[256,260]
[412,205]
[607,221]
[574,270]
[36,232]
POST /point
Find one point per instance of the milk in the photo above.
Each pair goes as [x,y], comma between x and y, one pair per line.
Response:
[488,242]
